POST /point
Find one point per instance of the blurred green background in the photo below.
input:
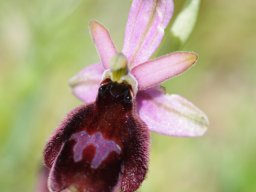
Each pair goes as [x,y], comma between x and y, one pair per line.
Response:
[44,43]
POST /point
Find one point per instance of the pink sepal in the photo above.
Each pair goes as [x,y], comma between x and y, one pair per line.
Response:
[170,114]
[145,28]
[86,83]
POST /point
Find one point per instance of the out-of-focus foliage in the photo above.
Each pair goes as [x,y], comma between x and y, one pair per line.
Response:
[44,43]
[184,22]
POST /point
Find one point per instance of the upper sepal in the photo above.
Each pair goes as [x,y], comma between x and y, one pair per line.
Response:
[145,28]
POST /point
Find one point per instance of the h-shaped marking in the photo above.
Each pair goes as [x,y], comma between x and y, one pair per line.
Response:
[103,147]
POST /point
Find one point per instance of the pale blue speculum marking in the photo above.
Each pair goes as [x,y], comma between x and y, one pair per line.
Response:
[102,146]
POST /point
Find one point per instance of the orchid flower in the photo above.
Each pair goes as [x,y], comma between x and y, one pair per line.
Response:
[104,145]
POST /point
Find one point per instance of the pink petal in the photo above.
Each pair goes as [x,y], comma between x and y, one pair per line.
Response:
[170,114]
[154,72]
[145,28]
[103,43]
[86,83]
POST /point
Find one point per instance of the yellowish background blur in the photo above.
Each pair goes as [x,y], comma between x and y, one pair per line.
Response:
[44,43]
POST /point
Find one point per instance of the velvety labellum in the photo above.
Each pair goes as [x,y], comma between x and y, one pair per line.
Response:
[102,147]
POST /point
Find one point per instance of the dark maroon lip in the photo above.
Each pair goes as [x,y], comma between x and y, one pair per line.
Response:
[100,145]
